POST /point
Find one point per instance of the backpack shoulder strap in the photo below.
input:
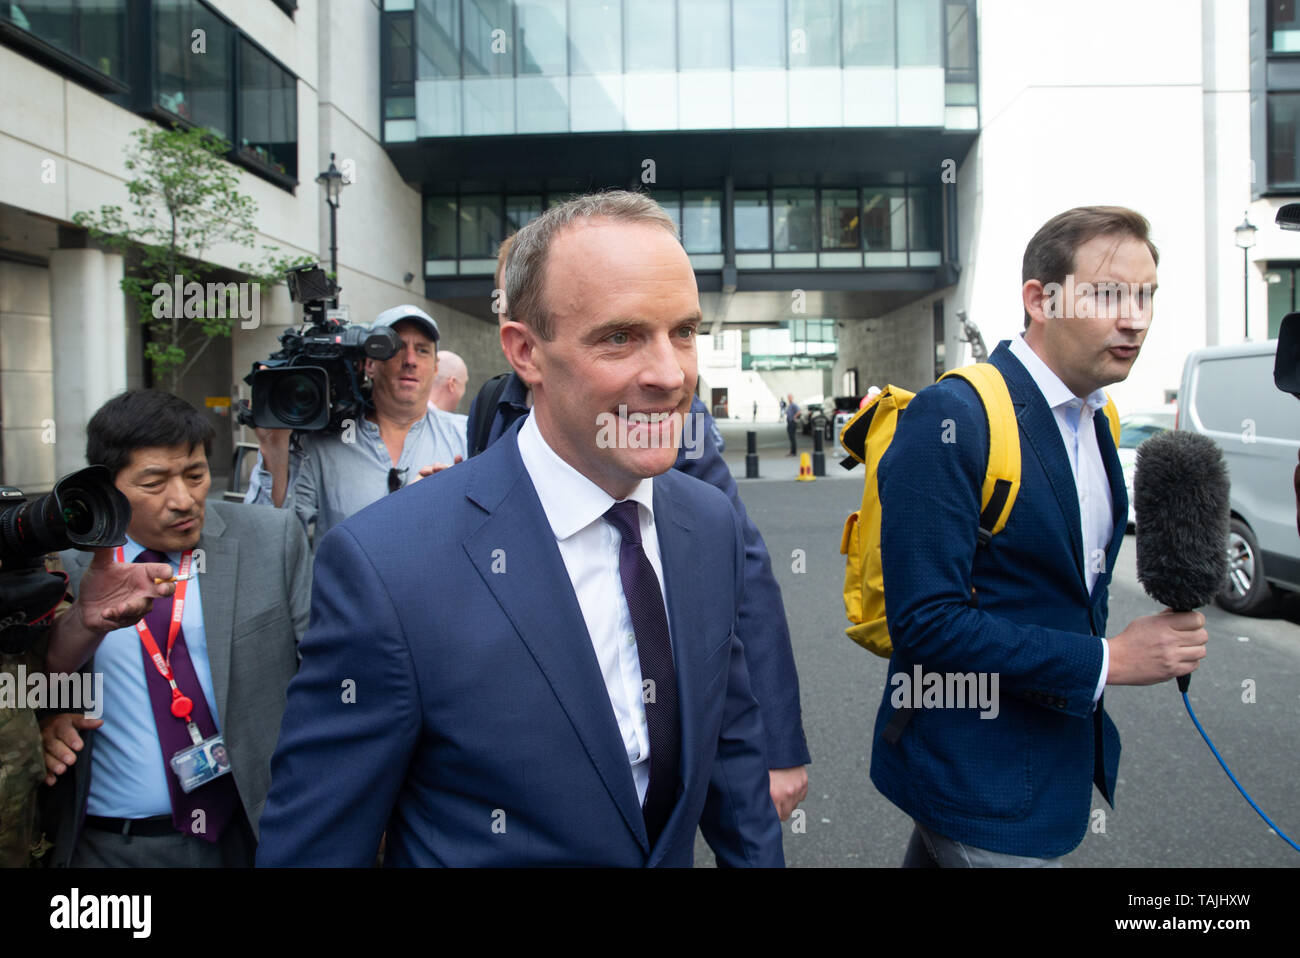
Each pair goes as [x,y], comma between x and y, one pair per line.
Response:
[1002,476]
[485,410]
[1112,417]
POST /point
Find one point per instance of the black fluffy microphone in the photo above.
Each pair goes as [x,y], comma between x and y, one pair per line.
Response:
[1180,507]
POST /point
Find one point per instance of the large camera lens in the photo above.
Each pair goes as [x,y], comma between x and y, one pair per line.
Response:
[85,510]
[294,397]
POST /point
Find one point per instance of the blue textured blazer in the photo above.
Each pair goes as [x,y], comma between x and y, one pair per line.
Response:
[1020,783]
[449,693]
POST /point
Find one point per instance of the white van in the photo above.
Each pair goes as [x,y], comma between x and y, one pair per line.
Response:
[1228,394]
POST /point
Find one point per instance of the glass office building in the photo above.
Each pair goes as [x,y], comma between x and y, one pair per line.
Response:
[795,142]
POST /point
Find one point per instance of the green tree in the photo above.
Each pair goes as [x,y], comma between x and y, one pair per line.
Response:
[184,202]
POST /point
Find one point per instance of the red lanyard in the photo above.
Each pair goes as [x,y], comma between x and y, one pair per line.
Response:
[182,705]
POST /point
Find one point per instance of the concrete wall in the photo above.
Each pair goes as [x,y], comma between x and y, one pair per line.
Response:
[26,378]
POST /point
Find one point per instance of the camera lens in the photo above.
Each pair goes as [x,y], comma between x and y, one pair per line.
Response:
[84,510]
[78,516]
[296,399]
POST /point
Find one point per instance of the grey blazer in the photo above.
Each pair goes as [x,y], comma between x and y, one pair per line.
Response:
[256,601]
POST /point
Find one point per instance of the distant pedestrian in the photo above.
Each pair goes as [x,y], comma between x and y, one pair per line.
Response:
[791,411]
[755,410]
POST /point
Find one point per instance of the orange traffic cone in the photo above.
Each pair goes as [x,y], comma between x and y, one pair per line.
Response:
[805,469]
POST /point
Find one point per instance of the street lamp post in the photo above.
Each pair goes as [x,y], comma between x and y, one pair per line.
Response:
[1245,237]
[332,180]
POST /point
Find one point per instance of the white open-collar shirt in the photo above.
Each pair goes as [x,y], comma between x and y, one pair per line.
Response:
[1074,418]
[589,546]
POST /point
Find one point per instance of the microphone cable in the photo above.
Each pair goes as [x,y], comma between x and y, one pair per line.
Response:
[1283,835]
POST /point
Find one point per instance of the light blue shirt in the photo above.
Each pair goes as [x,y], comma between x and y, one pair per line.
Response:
[334,476]
[1074,418]
[128,777]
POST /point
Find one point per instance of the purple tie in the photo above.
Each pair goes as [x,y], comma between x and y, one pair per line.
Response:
[218,798]
[645,604]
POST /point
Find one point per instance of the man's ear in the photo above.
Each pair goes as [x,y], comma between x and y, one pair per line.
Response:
[519,343]
[1036,301]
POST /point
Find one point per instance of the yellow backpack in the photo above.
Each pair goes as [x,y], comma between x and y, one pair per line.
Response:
[866,437]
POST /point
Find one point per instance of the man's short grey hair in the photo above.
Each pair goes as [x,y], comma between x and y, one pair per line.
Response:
[526,262]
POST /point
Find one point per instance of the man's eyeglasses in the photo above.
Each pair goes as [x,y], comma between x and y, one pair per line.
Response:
[396,479]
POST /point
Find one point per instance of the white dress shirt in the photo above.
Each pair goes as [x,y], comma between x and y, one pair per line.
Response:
[1075,419]
[574,506]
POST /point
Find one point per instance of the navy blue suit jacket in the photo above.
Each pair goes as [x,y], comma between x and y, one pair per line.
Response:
[450,695]
[763,626]
[1020,783]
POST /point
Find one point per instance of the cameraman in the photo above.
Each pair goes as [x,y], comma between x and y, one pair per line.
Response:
[399,441]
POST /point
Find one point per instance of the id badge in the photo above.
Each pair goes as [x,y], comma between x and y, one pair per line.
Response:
[201,763]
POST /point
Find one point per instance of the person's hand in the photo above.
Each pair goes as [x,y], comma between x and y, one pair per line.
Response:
[1156,648]
[437,467]
[274,443]
[114,595]
[60,741]
[789,787]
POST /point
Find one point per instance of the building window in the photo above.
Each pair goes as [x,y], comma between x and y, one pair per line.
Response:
[596,37]
[1282,279]
[920,39]
[520,211]
[671,201]
[868,33]
[794,220]
[702,221]
[719,341]
[437,24]
[884,218]
[705,35]
[440,227]
[192,81]
[488,25]
[814,33]
[961,39]
[91,31]
[650,37]
[753,220]
[922,218]
[541,40]
[760,36]
[840,220]
[1283,135]
[480,226]
[1283,26]
[268,111]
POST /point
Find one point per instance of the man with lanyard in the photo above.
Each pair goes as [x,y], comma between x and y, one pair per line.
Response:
[398,442]
[202,675]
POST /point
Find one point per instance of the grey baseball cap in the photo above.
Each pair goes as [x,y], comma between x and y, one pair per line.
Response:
[390,317]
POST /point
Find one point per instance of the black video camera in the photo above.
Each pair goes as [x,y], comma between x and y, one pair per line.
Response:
[84,511]
[311,383]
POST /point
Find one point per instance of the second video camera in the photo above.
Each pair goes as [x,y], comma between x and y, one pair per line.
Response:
[312,382]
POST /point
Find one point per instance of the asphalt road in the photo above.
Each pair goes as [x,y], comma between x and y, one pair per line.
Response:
[1176,808]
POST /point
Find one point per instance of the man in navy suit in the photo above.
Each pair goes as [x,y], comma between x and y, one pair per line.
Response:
[532,658]
[1011,784]
[763,628]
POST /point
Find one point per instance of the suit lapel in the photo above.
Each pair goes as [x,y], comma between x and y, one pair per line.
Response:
[218,592]
[536,595]
[1039,427]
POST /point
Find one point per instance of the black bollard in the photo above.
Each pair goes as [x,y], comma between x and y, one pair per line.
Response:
[819,457]
[751,455]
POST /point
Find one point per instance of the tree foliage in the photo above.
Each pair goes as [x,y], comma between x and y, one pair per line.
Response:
[184,204]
